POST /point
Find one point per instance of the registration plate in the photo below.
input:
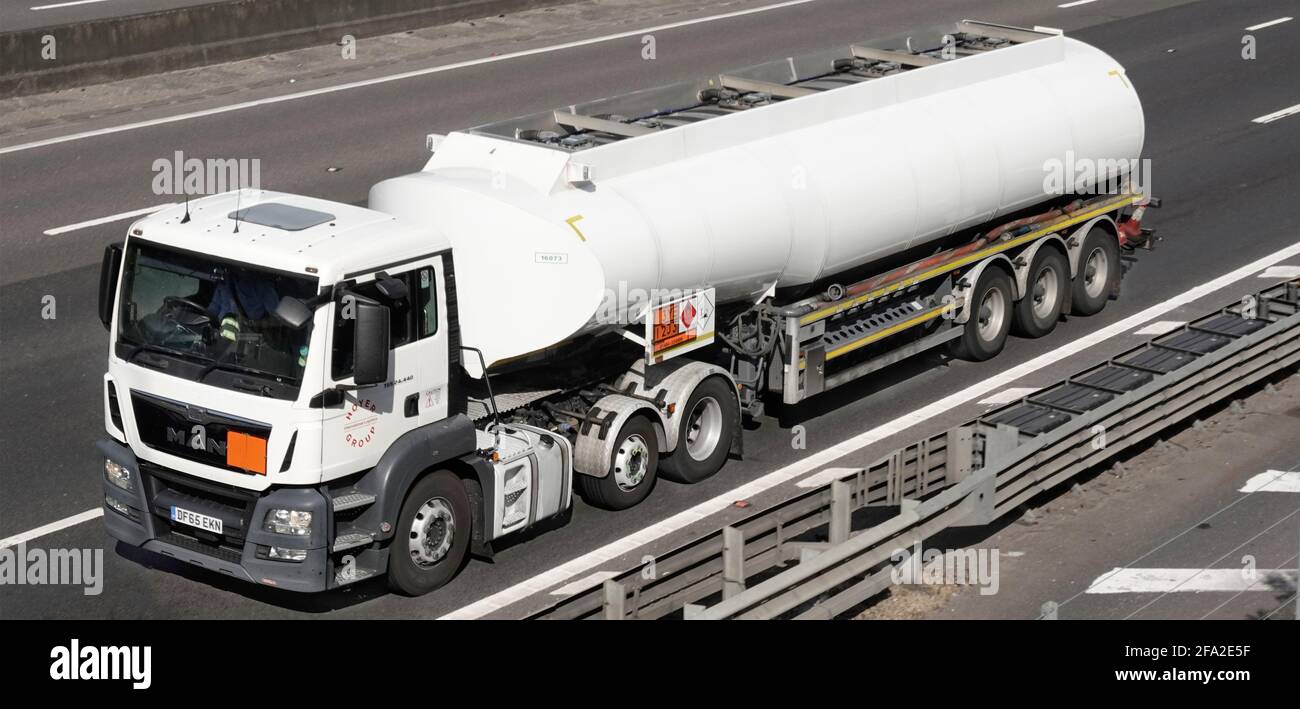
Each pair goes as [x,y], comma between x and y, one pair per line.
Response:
[194,519]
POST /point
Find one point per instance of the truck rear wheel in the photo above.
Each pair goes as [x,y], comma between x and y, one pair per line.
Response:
[1099,269]
[990,319]
[1040,308]
[707,425]
[432,539]
[633,466]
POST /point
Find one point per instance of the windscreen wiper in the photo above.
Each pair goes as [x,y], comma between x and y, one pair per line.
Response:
[241,369]
[159,349]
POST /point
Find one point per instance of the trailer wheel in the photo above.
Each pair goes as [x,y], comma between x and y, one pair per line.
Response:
[432,539]
[989,324]
[1037,312]
[632,469]
[1099,270]
[708,423]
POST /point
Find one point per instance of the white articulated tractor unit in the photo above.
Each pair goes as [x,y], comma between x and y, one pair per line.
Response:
[304,394]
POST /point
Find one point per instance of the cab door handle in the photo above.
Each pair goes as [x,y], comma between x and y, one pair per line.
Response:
[411,406]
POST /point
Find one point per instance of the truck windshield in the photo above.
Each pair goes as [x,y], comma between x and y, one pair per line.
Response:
[214,319]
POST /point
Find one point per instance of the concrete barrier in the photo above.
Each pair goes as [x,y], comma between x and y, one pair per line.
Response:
[118,48]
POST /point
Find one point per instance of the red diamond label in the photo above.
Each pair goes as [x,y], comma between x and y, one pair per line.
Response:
[688,314]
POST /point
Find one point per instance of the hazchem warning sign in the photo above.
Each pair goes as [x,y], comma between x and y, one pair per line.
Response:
[679,326]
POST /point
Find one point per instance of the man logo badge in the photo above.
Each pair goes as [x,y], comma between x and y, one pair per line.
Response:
[197,439]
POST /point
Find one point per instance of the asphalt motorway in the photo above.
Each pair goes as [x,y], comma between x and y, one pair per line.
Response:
[1228,184]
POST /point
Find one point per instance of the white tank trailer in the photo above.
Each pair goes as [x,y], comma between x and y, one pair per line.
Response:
[561,221]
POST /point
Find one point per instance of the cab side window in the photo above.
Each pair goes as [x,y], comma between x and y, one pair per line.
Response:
[411,318]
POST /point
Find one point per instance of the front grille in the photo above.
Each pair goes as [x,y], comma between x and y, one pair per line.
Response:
[233,506]
[190,432]
[218,551]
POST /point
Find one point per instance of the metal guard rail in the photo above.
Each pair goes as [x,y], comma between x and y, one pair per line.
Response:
[967,476]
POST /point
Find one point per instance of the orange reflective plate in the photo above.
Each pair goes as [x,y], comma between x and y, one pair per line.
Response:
[246,451]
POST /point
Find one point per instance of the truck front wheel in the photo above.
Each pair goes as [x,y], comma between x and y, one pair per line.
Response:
[990,319]
[705,429]
[433,532]
[633,466]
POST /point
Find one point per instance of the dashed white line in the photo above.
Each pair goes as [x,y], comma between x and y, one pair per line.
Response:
[106,220]
[65,4]
[1076,3]
[1270,23]
[51,528]
[1273,481]
[586,562]
[1160,327]
[1278,115]
[1181,580]
[399,76]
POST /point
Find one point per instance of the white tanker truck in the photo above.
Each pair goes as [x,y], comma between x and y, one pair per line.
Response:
[305,394]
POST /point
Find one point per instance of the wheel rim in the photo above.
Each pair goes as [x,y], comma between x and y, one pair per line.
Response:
[992,314]
[1046,293]
[432,532]
[631,461]
[1095,273]
[704,428]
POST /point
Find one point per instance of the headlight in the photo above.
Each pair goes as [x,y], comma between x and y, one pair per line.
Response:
[293,522]
[118,475]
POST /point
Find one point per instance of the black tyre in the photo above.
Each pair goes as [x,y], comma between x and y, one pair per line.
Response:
[985,332]
[433,533]
[1099,272]
[633,466]
[705,430]
[1038,311]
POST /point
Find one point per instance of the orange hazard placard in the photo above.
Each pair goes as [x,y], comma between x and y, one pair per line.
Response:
[246,451]
[679,326]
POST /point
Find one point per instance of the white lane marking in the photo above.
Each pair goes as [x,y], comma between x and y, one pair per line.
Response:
[1278,115]
[52,527]
[1281,272]
[1270,23]
[1160,327]
[65,4]
[585,583]
[1180,580]
[1006,396]
[1273,481]
[398,77]
[825,477]
[614,549]
[1076,3]
[106,220]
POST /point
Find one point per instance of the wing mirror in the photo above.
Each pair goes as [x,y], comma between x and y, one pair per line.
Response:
[370,343]
[109,269]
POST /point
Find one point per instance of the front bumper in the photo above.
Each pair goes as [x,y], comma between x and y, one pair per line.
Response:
[241,551]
